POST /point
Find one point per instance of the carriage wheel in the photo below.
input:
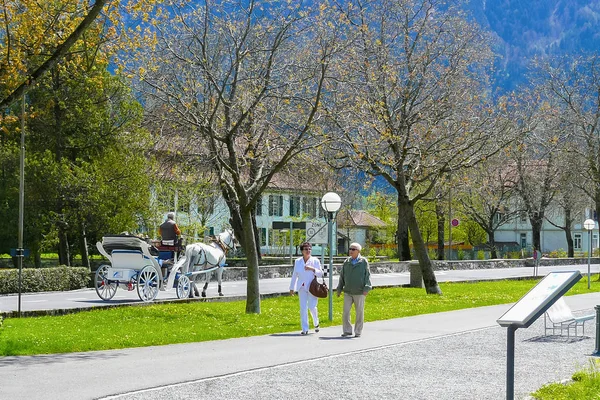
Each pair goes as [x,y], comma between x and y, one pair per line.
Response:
[105,288]
[183,287]
[147,283]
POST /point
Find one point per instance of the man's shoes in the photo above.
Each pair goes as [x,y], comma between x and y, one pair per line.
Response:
[304,333]
[346,334]
[317,328]
[357,335]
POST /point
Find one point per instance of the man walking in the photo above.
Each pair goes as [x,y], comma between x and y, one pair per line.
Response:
[355,282]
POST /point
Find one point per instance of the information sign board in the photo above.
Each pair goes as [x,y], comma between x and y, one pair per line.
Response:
[541,297]
[316,232]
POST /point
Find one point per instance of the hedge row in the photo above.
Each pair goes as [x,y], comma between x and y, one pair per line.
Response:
[43,279]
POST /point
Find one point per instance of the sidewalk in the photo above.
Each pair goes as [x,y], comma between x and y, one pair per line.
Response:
[449,355]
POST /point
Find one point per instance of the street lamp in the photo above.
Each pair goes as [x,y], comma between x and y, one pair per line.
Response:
[331,202]
[589,225]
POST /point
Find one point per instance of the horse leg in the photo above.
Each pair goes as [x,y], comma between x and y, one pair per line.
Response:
[196,292]
[219,276]
[208,276]
[192,288]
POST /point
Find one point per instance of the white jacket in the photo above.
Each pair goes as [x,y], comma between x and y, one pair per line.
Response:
[305,277]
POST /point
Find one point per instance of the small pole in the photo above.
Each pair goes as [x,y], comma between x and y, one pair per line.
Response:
[291,243]
[589,255]
[20,250]
[597,350]
[510,362]
[330,231]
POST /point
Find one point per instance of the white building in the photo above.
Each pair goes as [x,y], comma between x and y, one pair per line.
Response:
[519,231]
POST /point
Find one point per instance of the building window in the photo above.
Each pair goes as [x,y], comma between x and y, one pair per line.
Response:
[259,206]
[523,217]
[523,240]
[275,205]
[263,236]
[577,241]
[294,206]
[310,206]
[320,208]
[498,218]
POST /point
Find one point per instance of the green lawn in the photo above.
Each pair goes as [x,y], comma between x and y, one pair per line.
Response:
[161,324]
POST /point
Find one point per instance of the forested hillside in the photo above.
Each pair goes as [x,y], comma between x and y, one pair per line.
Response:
[525,29]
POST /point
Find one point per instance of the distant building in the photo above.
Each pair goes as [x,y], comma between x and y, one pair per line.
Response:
[552,238]
[359,226]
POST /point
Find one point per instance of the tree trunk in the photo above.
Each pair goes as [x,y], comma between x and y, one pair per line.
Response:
[492,244]
[237,224]
[83,248]
[256,237]
[536,228]
[252,282]
[64,258]
[402,235]
[569,236]
[441,219]
[431,285]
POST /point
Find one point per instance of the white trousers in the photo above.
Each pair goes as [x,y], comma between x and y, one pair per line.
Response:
[308,302]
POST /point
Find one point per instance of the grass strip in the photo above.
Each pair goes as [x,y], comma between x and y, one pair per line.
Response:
[585,385]
[170,323]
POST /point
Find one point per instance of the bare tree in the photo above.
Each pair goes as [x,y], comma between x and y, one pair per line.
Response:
[486,196]
[574,83]
[247,81]
[535,160]
[409,99]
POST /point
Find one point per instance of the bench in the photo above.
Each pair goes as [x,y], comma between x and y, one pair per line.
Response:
[560,318]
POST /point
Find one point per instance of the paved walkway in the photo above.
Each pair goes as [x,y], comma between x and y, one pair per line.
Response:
[449,355]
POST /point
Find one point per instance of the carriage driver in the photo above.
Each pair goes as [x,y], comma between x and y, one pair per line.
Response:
[169,230]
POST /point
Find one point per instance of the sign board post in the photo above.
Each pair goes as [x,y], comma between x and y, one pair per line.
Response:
[528,309]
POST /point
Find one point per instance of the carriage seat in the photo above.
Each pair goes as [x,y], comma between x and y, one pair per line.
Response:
[132,259]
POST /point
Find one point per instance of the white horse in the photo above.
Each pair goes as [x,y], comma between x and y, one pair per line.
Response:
[201,256]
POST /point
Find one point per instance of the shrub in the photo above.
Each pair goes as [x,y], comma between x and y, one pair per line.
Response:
[460,254]
[44,279]
[372,255]
[432,254]
[481,255]
[390,253]
[558,253]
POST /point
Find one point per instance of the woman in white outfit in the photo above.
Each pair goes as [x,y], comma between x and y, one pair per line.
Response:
[305,269]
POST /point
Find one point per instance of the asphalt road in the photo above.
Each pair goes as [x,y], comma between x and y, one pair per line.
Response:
[237,289]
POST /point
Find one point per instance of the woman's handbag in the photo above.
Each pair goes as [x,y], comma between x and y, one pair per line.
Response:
[318,289]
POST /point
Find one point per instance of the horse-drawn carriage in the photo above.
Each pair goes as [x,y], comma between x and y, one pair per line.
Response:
[133,267]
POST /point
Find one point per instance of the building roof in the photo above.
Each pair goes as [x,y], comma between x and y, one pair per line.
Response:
[350,218]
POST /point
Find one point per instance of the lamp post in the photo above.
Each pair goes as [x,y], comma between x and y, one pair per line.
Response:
[331,203]
[589,225]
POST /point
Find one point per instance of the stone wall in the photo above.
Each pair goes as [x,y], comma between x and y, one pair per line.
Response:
[238,272]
